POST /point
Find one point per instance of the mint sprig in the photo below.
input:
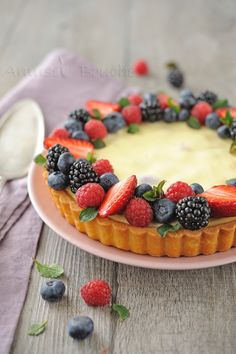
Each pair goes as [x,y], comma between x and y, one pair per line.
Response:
[123,102]
[133,129]
[88,214]
[37,328]
[173,106]
[98,144]
[193,123]
[156,192]
[165,228]
[90,157]
[228,119]
[40,160]
[121,310]
[96,114]
[49,270]
[221,103]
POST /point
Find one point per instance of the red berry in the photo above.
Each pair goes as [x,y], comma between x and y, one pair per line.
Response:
[60,133]
[96,293]
[201,110]
[140,67]
[78,148]
[135,99]
[89,195]
[139,213]
[132,114]
[178,190]
[95,129]
[102,166]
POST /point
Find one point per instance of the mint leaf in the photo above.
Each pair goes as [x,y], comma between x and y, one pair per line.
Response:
[133,129]
[40,160]
[165,228]
[232,149]
[149,196]
[193,122]
[37,328]
[123,102]
[88,214]
[98,144]
[156,192]
[221,103]
[91,158]
[96,114]
[49,270]
[122,311]
[174,107]
[228,119]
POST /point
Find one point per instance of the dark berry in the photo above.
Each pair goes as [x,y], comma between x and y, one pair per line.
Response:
[187,102]
[81,172]
[52,290]
[58,181]
[193,213]
[231,182]
[212,121]
[183,115]
[80,115]
[150,97]
[197,188]
[223,132]
[208,96]
[53,155]
[80,327]
[65,161]
[107,180]
[114,122]
[233,130]
[164,210]
[170,115]
[175,78]
[186,92]
[141,189]
[151,110]
[80,135]
[73,125]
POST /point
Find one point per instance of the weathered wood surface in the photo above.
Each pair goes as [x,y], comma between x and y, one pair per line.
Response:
[171,312]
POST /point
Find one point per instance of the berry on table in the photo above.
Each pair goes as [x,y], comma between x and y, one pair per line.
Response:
[233,130]
[223,132]
[90,195]
[65,162]
[107,180]
[135,99]
[138,212]
[170,115]
[212,121]
[73,125]
[193,213]
[80,115]
[81,172]
[164,210]
[54,152]
[183,115]
[178,190]
[132,114]
[96,293]
[141,189]
[102,166]
[114,122]
[60,133]
[208,96]
[80,135]
[197,188]
[201,110]
[140,67]
[175,75]
[80,327]
[52,290]
[58,180]
[95,129]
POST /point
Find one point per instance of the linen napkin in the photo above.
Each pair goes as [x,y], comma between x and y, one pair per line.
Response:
[60,84]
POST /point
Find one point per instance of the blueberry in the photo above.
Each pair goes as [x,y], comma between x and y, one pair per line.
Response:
[52,290]
[57,180]
[170,115]
[80,134]
[231,182]
[107,180]
[114,122]
[73,125]
[141,189]
[183,115]
[80,327]
[197,188]
[187,102]
[150,97]
[164,210]
[65,161]
[186,92]
[212,121]
[223,132]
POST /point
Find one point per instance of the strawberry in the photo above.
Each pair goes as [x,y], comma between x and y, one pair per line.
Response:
[163,99]
[222,112]
[135,99]
[78,148]
[60,133]
[140,67]
[104,108]
[200,111]
[118,196]
[222,200]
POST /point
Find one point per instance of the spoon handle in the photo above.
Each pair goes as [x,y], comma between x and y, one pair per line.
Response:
[2,183]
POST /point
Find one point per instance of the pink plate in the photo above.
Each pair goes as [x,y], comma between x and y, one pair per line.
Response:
[46,209]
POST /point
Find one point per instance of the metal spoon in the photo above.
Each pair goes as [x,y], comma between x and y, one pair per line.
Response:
[21,138]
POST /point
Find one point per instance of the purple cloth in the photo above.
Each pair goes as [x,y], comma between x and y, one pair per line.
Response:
[61,83]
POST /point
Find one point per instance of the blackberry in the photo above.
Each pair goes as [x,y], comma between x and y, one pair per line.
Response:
[151,110]
[54,153]
[233,130]
[80,115]
[208,96]
[193,213]
[81,172]
[175,78]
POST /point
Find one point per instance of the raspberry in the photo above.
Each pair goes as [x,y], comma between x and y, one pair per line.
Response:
[138,212]
[102,166]
[60,133]
[90,195]
[179,190]
[96,293]
[140,67]
[201,110]
[132,114]
[135,99]
[95,129]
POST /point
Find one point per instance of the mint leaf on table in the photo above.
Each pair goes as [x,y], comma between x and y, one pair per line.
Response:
[193,122]
[123,102]
[37,328]
[98,144]
[156,192]
[88,214]
[91,158]
[173,106]
[96,114]
[221,103]
[165,228]
[133,129]
[49,270]
[228,119]
[121,310]
[232,149]
[40,160]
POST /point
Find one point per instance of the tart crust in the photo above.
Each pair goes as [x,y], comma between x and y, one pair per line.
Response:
[146,240]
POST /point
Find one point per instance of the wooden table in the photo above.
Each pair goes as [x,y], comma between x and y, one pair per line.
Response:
[171,312]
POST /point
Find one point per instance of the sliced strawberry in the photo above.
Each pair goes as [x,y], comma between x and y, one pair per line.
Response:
[104,108]
[118,197]
[222,200]
[222,112]
[78,148]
